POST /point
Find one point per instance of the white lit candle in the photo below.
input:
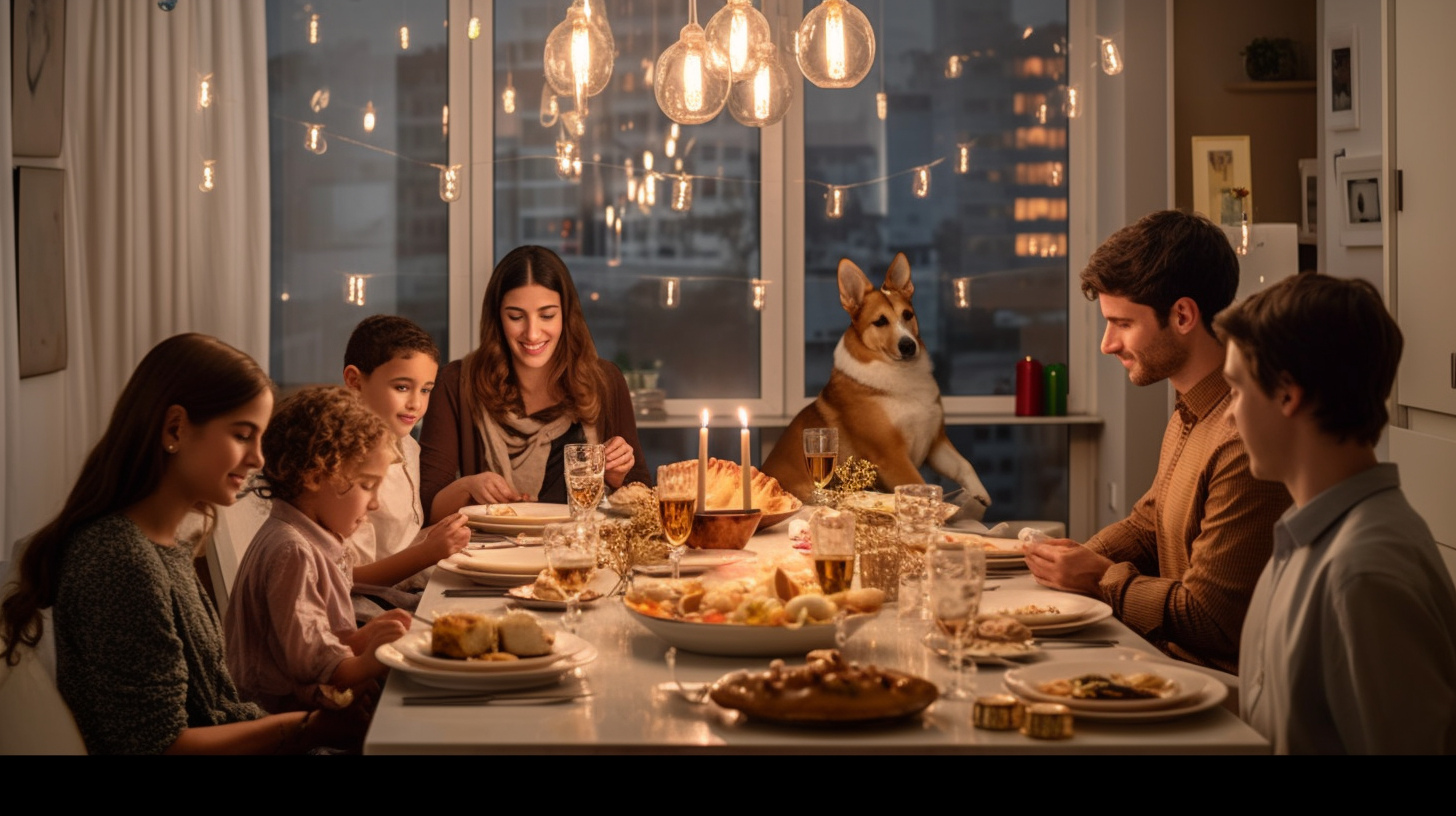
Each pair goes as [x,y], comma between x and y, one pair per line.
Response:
[747,480]
[703,464]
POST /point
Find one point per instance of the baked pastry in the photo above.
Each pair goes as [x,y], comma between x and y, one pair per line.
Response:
[633,497]
[464,635]
[725,488]
[545,588]
[825,689]
[522,635]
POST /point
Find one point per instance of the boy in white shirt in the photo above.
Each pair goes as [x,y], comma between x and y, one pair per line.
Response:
[392,363]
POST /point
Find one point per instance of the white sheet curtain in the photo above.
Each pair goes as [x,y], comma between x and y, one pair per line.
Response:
[152,254]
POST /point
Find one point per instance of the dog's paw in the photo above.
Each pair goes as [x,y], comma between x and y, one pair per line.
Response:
[976,507]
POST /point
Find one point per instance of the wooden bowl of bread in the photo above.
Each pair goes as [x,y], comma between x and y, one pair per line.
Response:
[725,491]
[723,529]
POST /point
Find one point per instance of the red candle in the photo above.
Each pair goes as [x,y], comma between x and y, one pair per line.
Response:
[1028,388]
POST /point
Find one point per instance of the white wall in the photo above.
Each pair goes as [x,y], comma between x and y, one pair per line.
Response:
[1366,16]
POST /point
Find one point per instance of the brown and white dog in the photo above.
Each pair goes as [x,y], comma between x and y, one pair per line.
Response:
[881,395]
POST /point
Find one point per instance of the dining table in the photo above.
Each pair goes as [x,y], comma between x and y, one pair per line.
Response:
[627,702]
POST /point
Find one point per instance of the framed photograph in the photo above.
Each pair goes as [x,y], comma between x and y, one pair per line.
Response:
[1309,201]
[1221,178]
[1362,191]
[1342,90]
[38,76]
[40,278]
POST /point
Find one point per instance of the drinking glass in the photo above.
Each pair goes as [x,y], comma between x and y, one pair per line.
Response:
[677,499]
[821,450]
[585,466]
[956,573]
[831,536]
[918,510]
[571,556]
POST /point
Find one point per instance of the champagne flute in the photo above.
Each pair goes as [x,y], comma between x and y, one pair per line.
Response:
[956,574]
[821,449]
[677,499]
[585,467]
[571,556]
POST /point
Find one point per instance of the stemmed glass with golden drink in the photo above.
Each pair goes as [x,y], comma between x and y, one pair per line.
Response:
[831,536]
[585,467]
[821,449]
[571,557]
[677,500]
[956,573]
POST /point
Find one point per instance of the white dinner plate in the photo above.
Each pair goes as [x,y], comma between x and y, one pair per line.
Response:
[416,647]
[739,640]
[484,681]
[1214,693]
[1069,607]
[509,561]
[1026,682]
[487,579]
[525,595]
[695,562]
[983,651]
[997,549]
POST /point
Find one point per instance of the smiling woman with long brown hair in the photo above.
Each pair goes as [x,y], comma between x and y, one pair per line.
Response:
[504,413]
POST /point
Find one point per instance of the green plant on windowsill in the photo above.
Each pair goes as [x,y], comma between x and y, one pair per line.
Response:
[1270,59]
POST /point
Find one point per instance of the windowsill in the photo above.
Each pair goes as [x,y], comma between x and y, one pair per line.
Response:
[690,421]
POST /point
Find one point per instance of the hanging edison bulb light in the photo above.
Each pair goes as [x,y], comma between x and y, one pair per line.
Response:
[315,141]
[508,96]
[735,34]
[954,67]
[1071,102]
[688,89]
[369,116]
[1043,112]
[962,287]
[682,193]
[671,289]
[834,202]
[963,158]
[757,293]
[445,122]
[615,233]
[579,54]
[611,215]
[472,29]
[882,105]
[836,45]
[313,29]
[450,186]
[209,175]
[354,289]
[574,123]
[1055,175]
[204,92]
[320,100]
[1111,57]
[921,185]
[647,161]
[404,38]
[641,199]
[565,157]
[762,98]
[550,107]
[631,182]
[649,189]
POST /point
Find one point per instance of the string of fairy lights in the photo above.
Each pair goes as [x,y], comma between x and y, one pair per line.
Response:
[733,62]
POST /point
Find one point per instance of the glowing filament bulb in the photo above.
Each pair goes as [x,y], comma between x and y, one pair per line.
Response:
[650,188]
[962,292]
[641,198]
[204,92]
[611,215]
[1042,113]
[762,92]
[647,160]
[882,105]
[669,148]
[953,67]
[758,293]
[315,141]
[834,203]
[834,46]
[550,107]
[472,29]
[209,175]
[1243,245]
[693,81]
[1071,102]
[581,55]
[682,194]
[674,130]
[631,183]
[355,294]
[1111,57]
[404,38]
[508,96]
[450,183]
[738,42]
[369,117]
[313,29]
[565,156]
[616,257]
[921,188]
[963,158]
[1055,176]
[444,121]
[671,293]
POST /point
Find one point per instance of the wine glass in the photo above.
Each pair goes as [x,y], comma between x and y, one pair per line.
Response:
[956,573]
[677,499]
[832,546]
[571,556]
[585,466]
[821,449]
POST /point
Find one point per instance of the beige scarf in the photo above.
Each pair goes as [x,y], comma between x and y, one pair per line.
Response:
[519,450]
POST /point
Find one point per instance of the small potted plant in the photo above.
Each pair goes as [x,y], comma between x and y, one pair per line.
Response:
[1268,59]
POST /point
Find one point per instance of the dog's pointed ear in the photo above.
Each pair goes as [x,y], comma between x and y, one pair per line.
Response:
[898,278]
[853,286]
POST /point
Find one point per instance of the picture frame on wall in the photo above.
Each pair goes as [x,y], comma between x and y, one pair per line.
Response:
[1342,83]
[37,76]
[1362,195]
[40,270]
[1221,168]
[1309,201]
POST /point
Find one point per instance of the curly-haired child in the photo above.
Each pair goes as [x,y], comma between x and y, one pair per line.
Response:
[291,637]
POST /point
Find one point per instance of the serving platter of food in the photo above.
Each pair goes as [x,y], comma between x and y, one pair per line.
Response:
[464,648]
[1109,685]
[825,691]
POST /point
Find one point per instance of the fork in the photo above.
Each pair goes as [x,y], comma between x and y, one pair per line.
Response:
[695,696]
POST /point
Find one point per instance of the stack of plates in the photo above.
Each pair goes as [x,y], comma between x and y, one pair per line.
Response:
[412,655]
[521,517]
[1192,691]
[1046,611]
[497,568]
[1003,555]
